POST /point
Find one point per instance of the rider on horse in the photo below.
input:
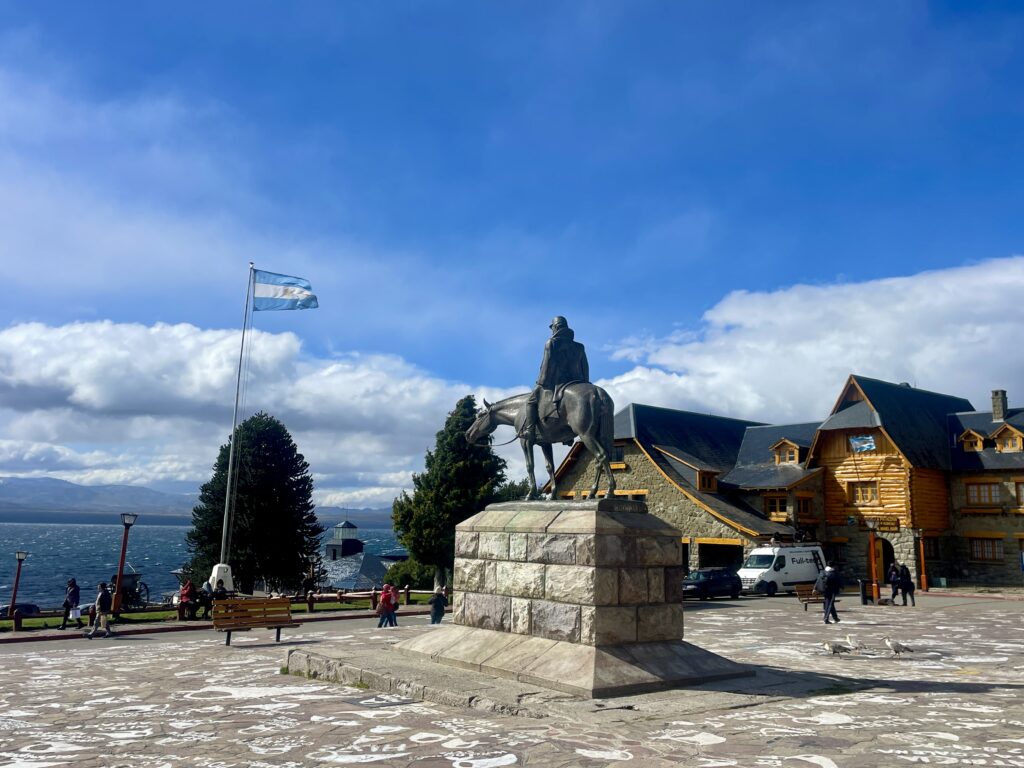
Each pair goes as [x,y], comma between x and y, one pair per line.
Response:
[564,363]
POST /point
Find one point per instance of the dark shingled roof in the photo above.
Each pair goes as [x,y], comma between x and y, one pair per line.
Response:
[755,464]
[989,458]
[707,442]
[853,416]
[915,419]
[712,440]
[731,509]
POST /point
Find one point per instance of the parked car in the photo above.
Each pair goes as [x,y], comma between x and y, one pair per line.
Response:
[712,582]
[27,609]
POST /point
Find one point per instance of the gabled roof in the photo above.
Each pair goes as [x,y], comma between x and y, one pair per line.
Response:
[678,456]
[914,419]
[981,423]
[732,511]
[714,441]
[755,464]
[1004,426]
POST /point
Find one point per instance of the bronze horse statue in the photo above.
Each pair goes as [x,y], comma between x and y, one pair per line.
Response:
[585,411]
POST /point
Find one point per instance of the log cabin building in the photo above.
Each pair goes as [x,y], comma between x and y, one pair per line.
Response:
[931,481]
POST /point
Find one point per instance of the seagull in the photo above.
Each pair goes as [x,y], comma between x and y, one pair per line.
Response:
[897,647]
[854,643]
[836,648]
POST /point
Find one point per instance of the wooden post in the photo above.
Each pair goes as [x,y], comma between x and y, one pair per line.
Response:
[17,618]
[924,574]
[310,601]
[871,562]
[373,599]
[406,595]
[341,597]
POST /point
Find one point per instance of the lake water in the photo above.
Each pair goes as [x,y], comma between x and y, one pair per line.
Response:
[89,553]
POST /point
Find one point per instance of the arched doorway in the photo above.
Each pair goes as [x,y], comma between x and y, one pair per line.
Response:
[884,557]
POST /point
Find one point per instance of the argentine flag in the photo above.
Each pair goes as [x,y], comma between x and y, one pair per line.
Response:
[862,443]
[274,291]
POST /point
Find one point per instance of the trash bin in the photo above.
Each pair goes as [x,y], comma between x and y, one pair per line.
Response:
[865,591]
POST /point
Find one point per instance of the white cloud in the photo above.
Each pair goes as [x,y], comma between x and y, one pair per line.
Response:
[783,355]
[133,403]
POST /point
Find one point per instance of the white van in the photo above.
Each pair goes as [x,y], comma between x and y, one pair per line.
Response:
[779,568]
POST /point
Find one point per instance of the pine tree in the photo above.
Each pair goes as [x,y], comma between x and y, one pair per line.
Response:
[459,480]
[275,535]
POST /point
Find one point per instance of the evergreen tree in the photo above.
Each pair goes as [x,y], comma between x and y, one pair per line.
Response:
[459,480]
[513,490]
[274,534]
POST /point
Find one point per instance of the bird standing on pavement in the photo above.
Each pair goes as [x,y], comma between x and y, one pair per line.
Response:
[897,647]
[836,648]
[855,644]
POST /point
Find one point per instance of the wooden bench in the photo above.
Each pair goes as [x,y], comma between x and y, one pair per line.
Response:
[805,594]
[243,614]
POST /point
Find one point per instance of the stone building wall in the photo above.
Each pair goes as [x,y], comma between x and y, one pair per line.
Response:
[1006,519]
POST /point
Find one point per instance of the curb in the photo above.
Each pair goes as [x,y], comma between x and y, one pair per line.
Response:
[29,636]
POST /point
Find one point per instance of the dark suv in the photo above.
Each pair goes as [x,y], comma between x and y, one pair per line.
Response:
[712,582]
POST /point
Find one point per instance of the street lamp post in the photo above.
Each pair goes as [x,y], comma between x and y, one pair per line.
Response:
[17,577]
[127,520]
[919,537]
[872,524]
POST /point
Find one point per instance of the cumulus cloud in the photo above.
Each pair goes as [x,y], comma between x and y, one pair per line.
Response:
[783,355]
[160,396]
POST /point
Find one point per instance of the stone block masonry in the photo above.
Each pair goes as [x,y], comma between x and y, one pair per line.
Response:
[582,597]
[583,572]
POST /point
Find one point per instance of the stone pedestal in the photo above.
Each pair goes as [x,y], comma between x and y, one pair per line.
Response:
[580,596]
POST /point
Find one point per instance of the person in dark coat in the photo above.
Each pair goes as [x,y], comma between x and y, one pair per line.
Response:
[906,584]
[829,585]
[72,595]
[437,603]
[893,577]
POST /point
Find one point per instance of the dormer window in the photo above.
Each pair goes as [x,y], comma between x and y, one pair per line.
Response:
[1008,439]
[786,452]
[972,442]
[708,481]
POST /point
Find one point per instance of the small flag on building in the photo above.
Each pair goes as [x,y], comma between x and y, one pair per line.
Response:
[272,291]
[862,443]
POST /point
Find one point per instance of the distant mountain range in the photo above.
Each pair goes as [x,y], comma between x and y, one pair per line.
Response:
[47,500]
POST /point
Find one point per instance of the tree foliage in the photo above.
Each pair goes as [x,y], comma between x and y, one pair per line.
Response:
[513,490]
[458,481]
[410,573]
[274,532]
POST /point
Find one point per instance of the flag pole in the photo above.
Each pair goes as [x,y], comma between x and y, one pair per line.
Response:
[234,426]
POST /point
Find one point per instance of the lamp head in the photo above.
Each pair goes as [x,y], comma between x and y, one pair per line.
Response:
[871,523]
[128,519]
[21,555]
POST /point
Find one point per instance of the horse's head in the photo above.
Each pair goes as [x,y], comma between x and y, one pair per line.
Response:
[484,425]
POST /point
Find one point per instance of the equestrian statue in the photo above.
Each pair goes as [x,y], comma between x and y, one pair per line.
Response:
[563,405]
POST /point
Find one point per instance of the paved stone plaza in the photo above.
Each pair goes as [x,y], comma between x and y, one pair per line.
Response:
[187,700]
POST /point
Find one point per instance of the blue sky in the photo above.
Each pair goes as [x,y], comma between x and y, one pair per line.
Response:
[724,199]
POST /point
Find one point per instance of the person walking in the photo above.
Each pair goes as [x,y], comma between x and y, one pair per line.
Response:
[72,595]
[906,584]
[104,601]
[893,577]
[829,585]
[386,608]
[437,603]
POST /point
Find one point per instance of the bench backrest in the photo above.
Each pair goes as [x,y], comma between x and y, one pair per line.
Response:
[803,590]
[252,612]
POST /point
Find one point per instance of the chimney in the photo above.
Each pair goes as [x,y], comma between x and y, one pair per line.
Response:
[998,404]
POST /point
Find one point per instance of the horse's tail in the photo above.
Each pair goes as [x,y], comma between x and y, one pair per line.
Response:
[606,418]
